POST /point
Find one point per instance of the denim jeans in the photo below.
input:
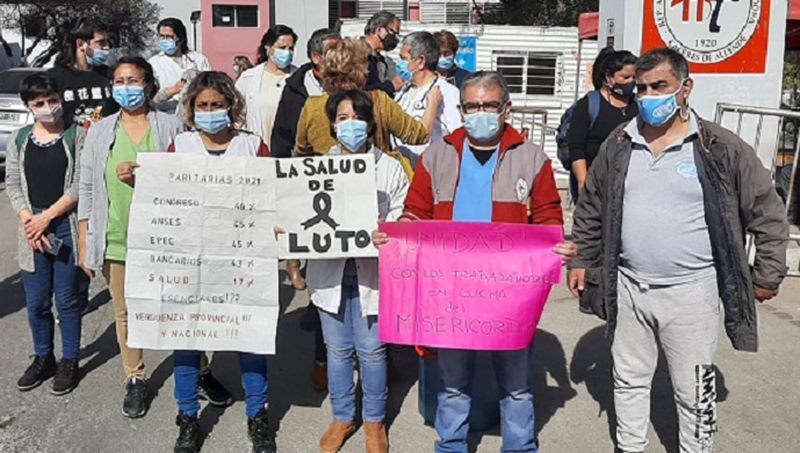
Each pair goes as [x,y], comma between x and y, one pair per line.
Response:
[512,370]
[187,377]
[346,333]
[54,276]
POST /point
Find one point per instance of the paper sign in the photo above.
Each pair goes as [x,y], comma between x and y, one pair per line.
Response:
[327,206]
[476,286]
[201,270]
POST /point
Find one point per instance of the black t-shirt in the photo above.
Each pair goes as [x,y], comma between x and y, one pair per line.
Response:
[482,155]
[585,143]
[45,170]
[86,95]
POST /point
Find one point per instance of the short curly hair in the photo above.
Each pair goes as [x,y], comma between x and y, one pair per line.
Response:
[345,66]
[223,84]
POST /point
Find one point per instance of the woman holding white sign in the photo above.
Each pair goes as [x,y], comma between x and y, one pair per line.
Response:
[105,195]
[213,109]
[346,291]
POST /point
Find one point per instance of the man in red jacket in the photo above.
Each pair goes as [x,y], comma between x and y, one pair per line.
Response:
[485,172]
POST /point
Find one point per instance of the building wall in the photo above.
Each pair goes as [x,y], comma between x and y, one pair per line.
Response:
[222,44]
[304,16]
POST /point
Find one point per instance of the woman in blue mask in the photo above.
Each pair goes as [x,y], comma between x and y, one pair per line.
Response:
[214,111]
[81,73]
[447,67]
[346,291]
[104,201]
[174,63]
[262,85]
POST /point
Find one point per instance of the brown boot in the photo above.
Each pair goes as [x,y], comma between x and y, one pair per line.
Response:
[377,442]
[336,436]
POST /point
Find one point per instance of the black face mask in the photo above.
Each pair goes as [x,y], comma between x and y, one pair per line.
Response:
[390,41]
[623,90]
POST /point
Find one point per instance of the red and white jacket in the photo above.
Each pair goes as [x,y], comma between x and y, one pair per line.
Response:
[524,188]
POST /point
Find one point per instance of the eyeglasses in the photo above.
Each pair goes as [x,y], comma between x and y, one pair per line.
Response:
[491,107]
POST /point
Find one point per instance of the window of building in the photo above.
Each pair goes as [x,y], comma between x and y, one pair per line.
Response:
[242,16]
[530,73]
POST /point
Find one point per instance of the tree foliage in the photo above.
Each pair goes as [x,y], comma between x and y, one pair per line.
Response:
[50,21]
[553,13]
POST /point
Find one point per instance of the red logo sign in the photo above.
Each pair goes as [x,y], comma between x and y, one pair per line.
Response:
[716,36]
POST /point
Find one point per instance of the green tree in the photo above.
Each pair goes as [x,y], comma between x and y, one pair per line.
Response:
[50,21]
[553,13]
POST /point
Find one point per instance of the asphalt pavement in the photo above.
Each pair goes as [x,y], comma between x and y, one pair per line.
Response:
[758,394]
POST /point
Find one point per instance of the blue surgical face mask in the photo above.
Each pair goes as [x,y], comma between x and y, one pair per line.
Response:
[482,126]
[282,57]
[446,63]
[129,97]
[403,71]
[212,122]
[658,110]
[99,57]
[352,134]
[169,46]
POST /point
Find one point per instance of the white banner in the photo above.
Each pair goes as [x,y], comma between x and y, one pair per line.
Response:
[202,269]
[327,206]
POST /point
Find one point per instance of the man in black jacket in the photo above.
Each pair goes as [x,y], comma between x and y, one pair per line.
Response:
[690,190]
[303,83]
[382,34]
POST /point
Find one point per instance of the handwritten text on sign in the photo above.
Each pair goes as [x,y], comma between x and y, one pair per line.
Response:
[477,286]
[201,270]
[327,206]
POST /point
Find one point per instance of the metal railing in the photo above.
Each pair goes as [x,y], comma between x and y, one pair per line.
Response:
[787,143]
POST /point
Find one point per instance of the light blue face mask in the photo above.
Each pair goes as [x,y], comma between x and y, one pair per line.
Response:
[129,97]
[99,57]
[403,71]
[212,122]
[482,126]
[352,134]
[446,63]
[169,46]
[658,110]
[282,58]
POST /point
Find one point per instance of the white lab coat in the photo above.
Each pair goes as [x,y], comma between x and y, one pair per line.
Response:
[249,85]
[324,277]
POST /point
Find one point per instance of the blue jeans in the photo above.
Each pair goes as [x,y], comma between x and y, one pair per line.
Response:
[512,370]
[187,377]
[54,276]
[346,333]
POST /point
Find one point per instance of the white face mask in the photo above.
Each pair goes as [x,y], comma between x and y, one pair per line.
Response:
[48,115]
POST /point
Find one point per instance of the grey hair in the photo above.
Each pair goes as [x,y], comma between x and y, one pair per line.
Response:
[423,44]
[317,40]
[380,19]
[677,62]
[487,79]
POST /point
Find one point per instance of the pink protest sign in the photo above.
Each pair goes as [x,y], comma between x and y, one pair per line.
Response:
[479,286]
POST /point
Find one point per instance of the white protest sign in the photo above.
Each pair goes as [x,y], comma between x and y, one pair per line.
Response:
[201,271]
[328,206]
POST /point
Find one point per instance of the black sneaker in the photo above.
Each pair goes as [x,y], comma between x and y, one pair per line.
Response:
[189,435]
[66,377]
[135,403]
[41,369]
[259,433]
[211,390]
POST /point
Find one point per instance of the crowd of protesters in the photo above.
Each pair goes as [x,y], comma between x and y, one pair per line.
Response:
[445,150]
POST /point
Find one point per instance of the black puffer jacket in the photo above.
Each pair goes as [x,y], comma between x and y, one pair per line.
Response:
[739,199]
[291,105]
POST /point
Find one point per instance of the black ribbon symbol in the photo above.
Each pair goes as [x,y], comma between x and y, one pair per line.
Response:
[322,206]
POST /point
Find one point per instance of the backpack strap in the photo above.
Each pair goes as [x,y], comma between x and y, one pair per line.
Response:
[594,107]
[23,135]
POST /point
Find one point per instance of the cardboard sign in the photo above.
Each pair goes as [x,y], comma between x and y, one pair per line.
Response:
[477,286]
[327,206]
[724,37]
[201,271]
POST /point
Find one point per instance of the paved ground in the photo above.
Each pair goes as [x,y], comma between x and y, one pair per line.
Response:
[758,393]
